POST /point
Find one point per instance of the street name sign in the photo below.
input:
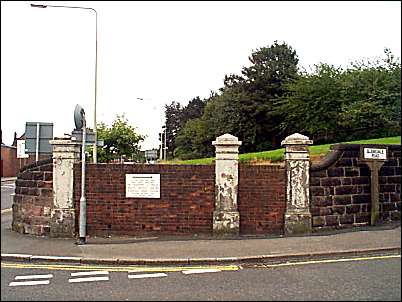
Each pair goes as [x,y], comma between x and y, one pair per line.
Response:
[375,153]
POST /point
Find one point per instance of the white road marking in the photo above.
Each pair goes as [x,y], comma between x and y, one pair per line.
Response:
[140,276]
[200,271]
[33,277]
[90,273]
[43,282]
[90,279]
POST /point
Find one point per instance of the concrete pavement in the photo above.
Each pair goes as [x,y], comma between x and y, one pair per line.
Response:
[183,250]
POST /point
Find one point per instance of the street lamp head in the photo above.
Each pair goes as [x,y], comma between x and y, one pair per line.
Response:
[38,5]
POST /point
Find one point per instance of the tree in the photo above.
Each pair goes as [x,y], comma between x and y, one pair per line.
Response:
[372,98]
[173,113]
[313,103]
[120,140]
[257,90]
[177,116]
[334,104]
[246,104]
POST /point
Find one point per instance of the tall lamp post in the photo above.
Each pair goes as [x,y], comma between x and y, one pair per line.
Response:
[95,157]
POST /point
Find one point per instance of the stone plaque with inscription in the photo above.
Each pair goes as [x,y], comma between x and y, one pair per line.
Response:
[143,185]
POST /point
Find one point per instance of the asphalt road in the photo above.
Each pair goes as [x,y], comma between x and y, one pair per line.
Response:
[374,279]
[7,188]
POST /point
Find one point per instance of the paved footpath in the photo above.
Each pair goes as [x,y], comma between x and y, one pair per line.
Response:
[200,250]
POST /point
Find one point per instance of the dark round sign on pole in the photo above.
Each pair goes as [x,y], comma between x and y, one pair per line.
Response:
[78,117]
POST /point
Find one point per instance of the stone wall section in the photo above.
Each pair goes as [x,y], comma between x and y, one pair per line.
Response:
[262,199]
[340,188]
[33,199]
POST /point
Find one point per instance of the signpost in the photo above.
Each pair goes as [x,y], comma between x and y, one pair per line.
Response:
[374,157]
[21,149]
[37,136]
[80,123]
[151,155]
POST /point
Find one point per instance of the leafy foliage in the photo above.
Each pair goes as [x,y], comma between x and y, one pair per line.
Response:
[272,99]
[176,118]
[331,104]
[120,140]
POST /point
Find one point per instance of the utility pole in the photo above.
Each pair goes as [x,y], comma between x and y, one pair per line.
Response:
[161,149]
[165,144]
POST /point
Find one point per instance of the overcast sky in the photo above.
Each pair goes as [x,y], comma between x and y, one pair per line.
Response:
[164,52]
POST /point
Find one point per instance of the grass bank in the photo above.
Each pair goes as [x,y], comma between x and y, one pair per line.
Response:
[278,154]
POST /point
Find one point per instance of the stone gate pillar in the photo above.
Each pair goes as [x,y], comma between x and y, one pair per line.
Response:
[297,215]
[226,218]
[65,153]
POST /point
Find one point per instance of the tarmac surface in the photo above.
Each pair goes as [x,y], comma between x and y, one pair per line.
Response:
[182,250]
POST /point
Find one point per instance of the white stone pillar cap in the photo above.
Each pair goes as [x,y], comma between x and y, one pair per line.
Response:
[297,139]
[226,140]
[64,141]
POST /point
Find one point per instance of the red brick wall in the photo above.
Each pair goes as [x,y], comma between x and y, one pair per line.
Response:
[9,159]
[12,164]
[185,207]
[262,199]
[187,200]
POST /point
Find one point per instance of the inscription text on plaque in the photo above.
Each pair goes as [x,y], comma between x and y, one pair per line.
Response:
[143,185]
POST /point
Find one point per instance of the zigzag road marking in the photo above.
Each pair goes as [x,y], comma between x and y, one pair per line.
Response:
[89,273]
[37,282]
[141,276]
[43,282]
[34,277]
[89,279]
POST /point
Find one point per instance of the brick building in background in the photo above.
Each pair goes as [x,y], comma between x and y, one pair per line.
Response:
[10,164]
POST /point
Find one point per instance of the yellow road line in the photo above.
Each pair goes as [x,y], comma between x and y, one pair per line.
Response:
[332,260]
[116,268]
[135,268]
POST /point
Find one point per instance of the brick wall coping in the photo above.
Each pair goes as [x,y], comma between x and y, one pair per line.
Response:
[37,164]
[336,151]
[265,167]
[165,167]
[10,147]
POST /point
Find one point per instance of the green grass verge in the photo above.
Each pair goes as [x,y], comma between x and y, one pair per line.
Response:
[278,154]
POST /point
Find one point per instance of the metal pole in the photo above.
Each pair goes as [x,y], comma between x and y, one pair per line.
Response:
[161,152]
[165,142]
[37,141]
[95,150]
[95,155]
[83,201]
